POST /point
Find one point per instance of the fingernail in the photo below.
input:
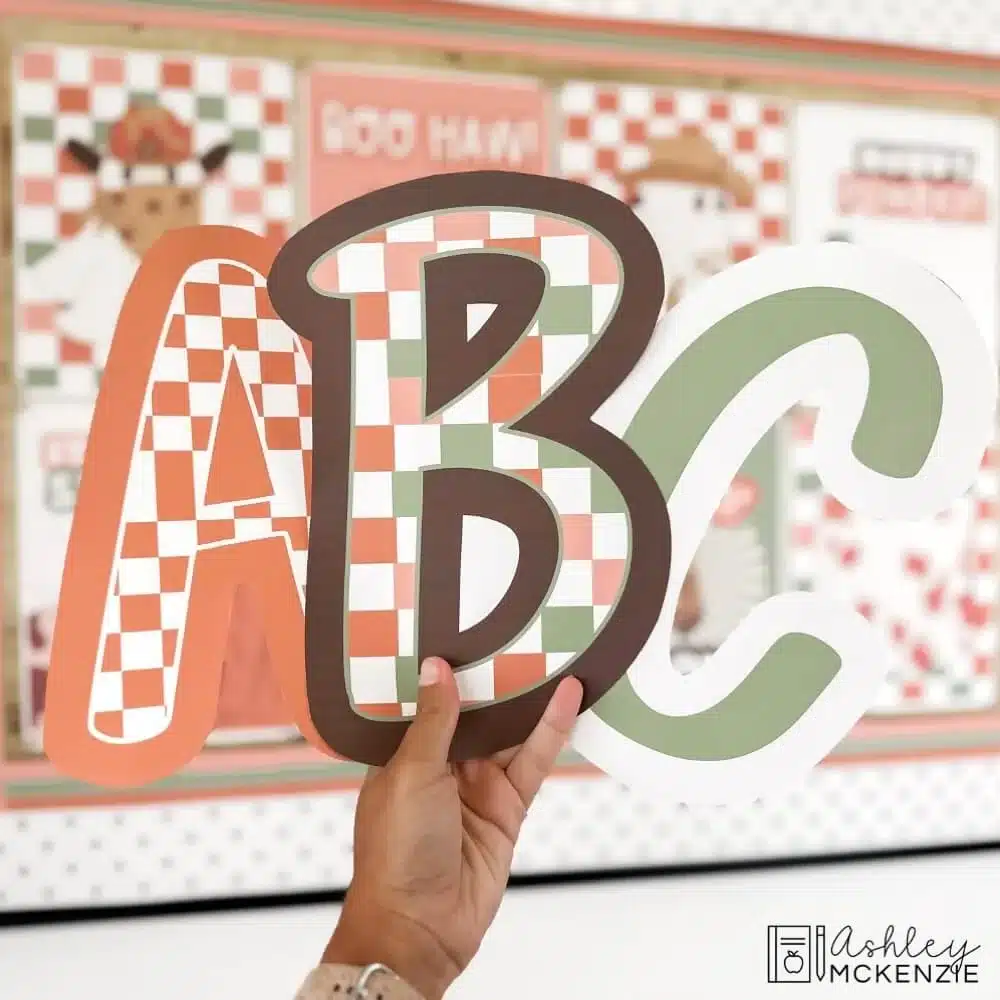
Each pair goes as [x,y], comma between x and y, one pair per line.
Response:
[430,673]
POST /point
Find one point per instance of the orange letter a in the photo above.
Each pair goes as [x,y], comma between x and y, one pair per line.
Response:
[157,549]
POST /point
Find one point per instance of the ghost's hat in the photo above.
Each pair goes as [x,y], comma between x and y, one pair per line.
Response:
[689,158]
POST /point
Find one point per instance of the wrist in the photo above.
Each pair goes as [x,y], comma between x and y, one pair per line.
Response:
[364,936]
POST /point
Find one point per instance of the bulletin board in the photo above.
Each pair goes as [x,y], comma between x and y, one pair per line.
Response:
[285,110]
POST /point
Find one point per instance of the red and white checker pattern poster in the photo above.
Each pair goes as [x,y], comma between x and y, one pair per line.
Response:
[606,128]
[905,181]
[65,93]
[929,587]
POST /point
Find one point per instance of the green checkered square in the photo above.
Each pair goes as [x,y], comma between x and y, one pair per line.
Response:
[566,630]
[605,497]
[406,358]
[467,445]
[566,310]
[552,455]
[407,490]
[211,109]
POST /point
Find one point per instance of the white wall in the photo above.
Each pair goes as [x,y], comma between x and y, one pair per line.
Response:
[680,938]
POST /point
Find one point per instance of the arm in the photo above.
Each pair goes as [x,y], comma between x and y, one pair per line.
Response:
[433,845]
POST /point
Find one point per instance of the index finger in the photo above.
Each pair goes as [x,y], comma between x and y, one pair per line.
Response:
[534,760]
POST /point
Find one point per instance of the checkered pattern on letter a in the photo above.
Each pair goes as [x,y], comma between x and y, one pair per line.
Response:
[394,441]
[220,330]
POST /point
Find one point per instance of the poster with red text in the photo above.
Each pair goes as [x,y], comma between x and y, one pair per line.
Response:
[369,128]
[923,185]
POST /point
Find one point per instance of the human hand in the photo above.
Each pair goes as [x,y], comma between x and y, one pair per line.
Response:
[434,841]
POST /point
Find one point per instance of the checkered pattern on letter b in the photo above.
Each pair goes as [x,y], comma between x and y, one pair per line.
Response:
[393,441]
[220,327]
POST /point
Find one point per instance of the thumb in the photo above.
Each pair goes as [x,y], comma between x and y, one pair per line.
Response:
[429,737]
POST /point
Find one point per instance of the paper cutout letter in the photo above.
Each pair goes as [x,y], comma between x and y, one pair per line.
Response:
[454,365]
[908,392]
[156,552]
[422,424]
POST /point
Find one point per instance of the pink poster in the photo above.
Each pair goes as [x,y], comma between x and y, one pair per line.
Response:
[369,128]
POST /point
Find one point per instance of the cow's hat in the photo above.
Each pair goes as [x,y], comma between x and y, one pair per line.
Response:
[690,158]
[150,134]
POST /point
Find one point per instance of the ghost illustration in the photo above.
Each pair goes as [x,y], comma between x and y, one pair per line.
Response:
[683,196]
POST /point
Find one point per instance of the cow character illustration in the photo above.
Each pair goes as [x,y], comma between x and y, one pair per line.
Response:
[683,195]
[147,182]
